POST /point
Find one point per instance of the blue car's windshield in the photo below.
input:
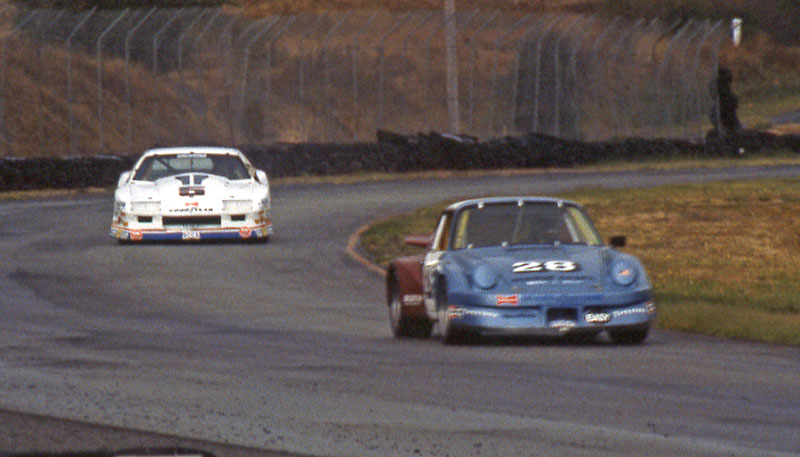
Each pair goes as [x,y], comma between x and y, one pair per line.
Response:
[160,166]
[509,224]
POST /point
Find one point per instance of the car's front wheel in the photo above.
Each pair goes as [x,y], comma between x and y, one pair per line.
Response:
[404,326]
[634,336]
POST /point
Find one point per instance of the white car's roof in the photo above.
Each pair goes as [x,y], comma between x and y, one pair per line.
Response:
[192,150]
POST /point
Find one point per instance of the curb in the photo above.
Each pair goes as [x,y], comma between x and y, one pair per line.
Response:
[352,250]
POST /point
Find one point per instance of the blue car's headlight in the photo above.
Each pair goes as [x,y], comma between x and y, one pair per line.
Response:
[484,277]
[623,272]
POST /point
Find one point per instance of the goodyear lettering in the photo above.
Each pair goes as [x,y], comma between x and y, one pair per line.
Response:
[190,210]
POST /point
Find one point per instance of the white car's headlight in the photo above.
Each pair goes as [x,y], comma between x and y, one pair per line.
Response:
[623,272]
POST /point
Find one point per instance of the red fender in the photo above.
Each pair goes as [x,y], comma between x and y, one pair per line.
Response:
[408,271]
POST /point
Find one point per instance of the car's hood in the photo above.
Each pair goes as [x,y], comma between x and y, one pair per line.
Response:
[547,269]
[206,187]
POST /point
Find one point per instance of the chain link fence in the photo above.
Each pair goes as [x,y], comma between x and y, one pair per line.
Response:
[119,81]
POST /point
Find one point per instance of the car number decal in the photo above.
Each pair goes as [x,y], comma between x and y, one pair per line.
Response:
[551,265]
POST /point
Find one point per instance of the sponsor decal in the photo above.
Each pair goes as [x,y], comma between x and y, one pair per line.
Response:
[628,312]
[455,312]
[562,324]
[245,232]
[597,318]
[190,210]
[568,282]
[535,266]
[507,300]
[136,235]
[412,299]
[192,204]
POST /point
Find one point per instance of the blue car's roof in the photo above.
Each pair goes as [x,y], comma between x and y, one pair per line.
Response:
[495,200]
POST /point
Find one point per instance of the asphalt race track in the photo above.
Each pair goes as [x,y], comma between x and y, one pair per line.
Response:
[286,346]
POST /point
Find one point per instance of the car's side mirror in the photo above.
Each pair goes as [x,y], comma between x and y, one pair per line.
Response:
[618,241]
[123,178]
[422,241]
[261,176]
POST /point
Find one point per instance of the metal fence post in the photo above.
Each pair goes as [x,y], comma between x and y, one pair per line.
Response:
[156,114]
[557,62]
[128,38]
[473,58]
[429,65]
[40,62]
[267,73]
[491,124]
[203,82]
[267,22]
[666,118]
[181,81]
[574,105]
[538,63]
[69,81]
[301,74]
[381,73]
[592,59]
[715,95]
[616,54]
[404,61]
[355,49]
[100,132]
[656,95]
[4,129]
[517,58]
[327,84]
[693,104]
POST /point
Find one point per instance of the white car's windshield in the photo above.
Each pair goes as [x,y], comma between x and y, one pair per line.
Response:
[508,224]
[160,166]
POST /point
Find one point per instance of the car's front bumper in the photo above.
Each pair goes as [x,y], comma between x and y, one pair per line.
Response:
[191,234]
[552,320]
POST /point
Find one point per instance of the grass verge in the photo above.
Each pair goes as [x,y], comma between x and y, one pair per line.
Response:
[722,257]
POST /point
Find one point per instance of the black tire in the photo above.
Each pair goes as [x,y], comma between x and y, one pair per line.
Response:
[402,325]
[636,336]
[581,337]
[448,333]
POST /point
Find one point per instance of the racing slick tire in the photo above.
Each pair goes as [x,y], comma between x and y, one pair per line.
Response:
[635,336]
[449,333]
[404,326]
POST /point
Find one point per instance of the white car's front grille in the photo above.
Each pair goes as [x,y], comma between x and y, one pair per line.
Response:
[237,206]
[148,207]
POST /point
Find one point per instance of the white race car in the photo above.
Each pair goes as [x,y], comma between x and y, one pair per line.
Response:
[192,193]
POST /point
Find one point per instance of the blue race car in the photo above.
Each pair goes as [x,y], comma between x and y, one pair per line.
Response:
[518,266]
